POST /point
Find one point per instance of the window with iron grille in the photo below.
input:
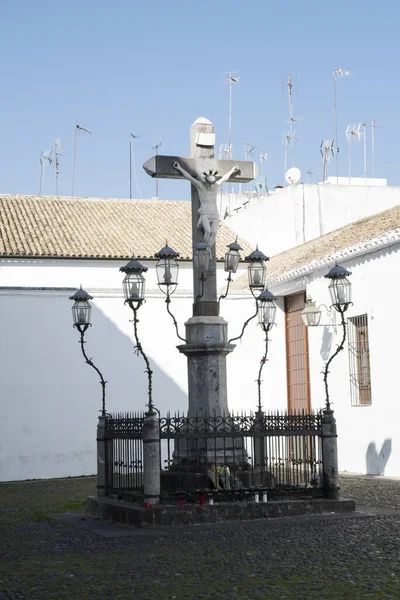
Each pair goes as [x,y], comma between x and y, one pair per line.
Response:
[360,371]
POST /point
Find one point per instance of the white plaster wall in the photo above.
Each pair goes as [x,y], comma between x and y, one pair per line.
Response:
[369,436]
[51,398]
[296,214]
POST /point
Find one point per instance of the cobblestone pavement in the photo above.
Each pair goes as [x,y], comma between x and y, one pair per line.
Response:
[333,557]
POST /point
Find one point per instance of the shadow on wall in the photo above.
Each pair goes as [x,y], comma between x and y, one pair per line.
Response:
[326,344]
[376,463]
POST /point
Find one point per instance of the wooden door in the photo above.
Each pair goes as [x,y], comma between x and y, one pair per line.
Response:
[297,364]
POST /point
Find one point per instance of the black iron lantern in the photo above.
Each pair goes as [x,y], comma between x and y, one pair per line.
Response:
[310,314]
[339,288]
[256,269]
[202,257]
[81,310]
[267,312]
[134,281]
[167,269]
[232,257]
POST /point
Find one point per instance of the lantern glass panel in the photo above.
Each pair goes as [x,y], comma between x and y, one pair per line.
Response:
[167,271]
[232,259]
[81,312]
[202,259]
[257,271]
[267,313]
[134,286]
[311,318]
[340,291]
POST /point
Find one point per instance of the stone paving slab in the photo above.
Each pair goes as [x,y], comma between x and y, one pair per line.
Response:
[334,557]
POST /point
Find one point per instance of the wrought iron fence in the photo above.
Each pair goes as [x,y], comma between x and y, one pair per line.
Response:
[124,455]
[225,457]
[233,456]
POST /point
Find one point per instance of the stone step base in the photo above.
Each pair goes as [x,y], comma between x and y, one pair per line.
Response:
[192,514]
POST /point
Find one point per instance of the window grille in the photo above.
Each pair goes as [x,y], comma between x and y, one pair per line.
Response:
[360,370]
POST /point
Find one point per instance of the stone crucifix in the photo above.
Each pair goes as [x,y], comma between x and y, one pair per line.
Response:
[206,174]
[206,332]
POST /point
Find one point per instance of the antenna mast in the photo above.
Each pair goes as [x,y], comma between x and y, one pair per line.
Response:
[132,167]
[337,74]
[45,156]
[290,83]
[77,128]
[373,126]
[156,147]
[231,79]
[57,153]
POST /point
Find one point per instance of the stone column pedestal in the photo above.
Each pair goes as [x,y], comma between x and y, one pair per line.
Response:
[101,457]
[151,458]
[330,466]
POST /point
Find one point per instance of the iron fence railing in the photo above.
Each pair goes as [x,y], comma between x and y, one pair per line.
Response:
[226,457]
[124,454]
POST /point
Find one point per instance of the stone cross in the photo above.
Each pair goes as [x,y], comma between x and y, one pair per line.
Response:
[206,174]
[206,332]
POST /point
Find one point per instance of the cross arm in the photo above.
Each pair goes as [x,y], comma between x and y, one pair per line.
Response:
[161,166]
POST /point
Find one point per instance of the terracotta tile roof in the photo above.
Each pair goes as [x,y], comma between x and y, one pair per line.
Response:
[45,226]
[350,240]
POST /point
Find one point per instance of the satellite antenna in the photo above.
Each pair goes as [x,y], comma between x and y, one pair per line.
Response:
[77,129]
[248,153]
[132,167]
[45,156]
[290,84]
[57,153]
[293,175]
[156,147]
[374,125]
[337,74]
[353,135]
[327,151]
[308,173]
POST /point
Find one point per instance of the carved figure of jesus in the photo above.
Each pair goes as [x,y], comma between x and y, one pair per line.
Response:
[207,185]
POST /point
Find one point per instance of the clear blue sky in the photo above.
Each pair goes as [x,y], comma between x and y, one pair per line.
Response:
[153,67]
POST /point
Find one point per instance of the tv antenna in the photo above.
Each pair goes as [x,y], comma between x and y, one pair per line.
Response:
[132,167]
[156,147]
[353,135]
[337,74]
[290,85]
[223,151]
[248,150]
[45,157]
[57,153]
[308,174]
[327,151]
[77,129]
[374,125]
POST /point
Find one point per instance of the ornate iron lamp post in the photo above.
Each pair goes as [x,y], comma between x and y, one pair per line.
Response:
[81,313]
[167,270]
[340,292]
[232,260]
[266,320]
[134,292]
[256,273]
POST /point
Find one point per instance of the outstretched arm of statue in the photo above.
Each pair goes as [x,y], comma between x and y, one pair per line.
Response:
[188,176]
[227,175]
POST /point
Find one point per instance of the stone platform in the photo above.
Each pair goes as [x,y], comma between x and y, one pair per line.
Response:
[193,514]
